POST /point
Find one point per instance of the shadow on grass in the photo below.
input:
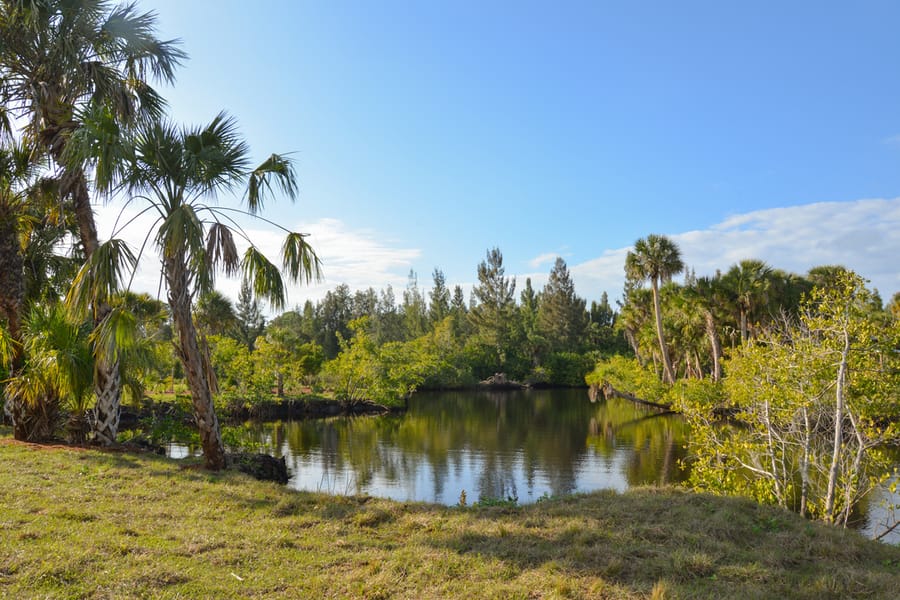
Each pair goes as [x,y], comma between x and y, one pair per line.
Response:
[705,546]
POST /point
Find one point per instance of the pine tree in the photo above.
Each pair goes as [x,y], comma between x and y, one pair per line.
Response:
[413,308]
[440,298]
[493,308]
[562,319]
[250,322]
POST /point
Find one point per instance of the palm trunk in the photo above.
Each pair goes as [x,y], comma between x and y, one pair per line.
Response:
[668,375]
[192,360]
[715,345]
[107,377]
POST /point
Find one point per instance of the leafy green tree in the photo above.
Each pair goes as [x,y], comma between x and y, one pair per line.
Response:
[602,333]
[175,171]
[334,315]
[386,374]
[815,400]
[388,325]
[656,259]
[250,321]
[562,318]
[285,354]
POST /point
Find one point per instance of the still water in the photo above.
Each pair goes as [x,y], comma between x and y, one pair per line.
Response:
[523,445]
[493,445]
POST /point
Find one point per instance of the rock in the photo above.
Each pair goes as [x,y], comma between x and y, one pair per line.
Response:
[259,466]
[499,381]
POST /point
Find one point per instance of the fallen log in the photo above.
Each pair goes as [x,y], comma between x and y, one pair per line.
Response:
[608,391]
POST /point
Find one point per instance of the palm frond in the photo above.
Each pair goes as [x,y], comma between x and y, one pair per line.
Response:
[220,249]
[117,332]
[182,231]
[276,169]
[132,34]
[99,142]
[300,260]
[7,347]
[215,155]
[264,278]
[100,277]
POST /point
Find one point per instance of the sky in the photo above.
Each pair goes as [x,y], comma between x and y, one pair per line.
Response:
[425,133]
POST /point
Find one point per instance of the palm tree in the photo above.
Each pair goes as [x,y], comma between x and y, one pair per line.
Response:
[656,259]
[215,314]
[61,60]
[28,263]
[708,294]
[173,171]
[57,374]
[15,169]
[748,284]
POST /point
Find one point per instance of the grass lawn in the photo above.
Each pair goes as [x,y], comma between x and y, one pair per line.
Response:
[78,523]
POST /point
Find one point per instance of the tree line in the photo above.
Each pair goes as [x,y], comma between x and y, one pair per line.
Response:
[367,345]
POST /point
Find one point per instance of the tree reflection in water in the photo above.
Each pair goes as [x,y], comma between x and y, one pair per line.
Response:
[521,445]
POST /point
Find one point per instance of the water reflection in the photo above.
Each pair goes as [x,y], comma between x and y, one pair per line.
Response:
[521,445]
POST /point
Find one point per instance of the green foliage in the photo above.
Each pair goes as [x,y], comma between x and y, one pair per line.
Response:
[816,402]
[569,368]
[627,374]
[240,379]
[364,371]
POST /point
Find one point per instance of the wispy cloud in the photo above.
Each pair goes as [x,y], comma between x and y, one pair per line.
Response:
[543,259]
[863,235]
[360,258]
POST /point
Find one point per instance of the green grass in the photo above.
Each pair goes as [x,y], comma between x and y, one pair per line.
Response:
[88,524]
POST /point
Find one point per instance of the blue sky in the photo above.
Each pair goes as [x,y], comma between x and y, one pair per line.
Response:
[425,133]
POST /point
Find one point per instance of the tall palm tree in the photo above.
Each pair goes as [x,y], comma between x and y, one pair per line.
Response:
[656,259]
[748,284]
[62,59]
[174,171]
[708,293]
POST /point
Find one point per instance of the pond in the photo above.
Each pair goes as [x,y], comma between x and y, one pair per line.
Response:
[521,445]
[499,445]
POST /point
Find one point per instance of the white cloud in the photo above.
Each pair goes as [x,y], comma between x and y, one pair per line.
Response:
[359,258]
[863,235]
[543,259]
